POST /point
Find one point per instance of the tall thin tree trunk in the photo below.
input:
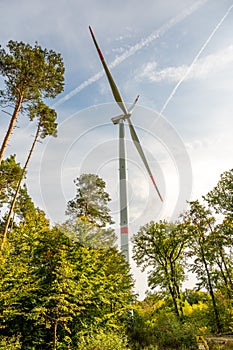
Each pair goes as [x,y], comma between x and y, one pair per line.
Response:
[11,126]
[175,285]
[179,299]
[221,253]
[55,334]
[172,291]
[226,269]
[211,291]
[18,186]
[173,295]
[224,277]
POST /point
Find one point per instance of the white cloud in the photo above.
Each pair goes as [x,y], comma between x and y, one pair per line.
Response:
[201,69]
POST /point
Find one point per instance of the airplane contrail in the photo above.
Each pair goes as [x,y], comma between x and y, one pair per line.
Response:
[195,59]
[133,49]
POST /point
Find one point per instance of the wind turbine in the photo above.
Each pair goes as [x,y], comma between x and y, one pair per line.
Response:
[120,119]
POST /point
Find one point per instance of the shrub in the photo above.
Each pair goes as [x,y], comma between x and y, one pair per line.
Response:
[103,340]
[10,343]
[172,333]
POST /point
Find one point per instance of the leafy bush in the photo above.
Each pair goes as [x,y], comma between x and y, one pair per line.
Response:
[162,329]
[103,340]
[10,343]
[172,333]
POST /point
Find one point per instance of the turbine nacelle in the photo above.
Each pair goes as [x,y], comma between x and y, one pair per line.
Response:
[116,120]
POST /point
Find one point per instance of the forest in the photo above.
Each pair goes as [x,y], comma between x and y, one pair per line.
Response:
[67,286]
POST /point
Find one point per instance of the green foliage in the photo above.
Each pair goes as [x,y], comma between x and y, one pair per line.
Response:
[10,173]
[209,245]
[102,340]
[24,207]
[161,246]
[10,343]
[91,201]
[225,307]
[89,220]
[156,326]
[141,332]
[46,116]
[52,288]
[30,74]
[87,234]
[200,224]
[221,200]
[30,71]
[171,333]
[194,297]
[221,197]
[210,262]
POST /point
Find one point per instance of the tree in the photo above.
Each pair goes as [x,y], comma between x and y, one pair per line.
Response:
[10,173]
[39,290]
[24,206]
[31,74]
[52,290]
[160,246]
[200,224]
[58,286]
[18,279]
[221,200]
[23,209]
[89,215]
[91,201]
[220,253]
[46,126]
[221,197]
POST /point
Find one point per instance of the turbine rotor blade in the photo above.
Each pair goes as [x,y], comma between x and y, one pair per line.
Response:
[142,155]
[112,83]
[130,110]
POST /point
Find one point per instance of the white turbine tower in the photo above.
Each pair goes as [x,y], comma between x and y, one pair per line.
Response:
[120,119]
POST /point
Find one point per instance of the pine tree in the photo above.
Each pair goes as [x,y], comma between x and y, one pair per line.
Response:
[31,74]
[89,220]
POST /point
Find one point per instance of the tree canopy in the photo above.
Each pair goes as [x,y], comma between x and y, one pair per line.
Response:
[89,220]
[30,74]
[221,197]
[91,201]
[161,246]
[52,288]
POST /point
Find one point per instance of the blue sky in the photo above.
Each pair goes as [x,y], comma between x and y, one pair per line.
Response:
[176,54]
